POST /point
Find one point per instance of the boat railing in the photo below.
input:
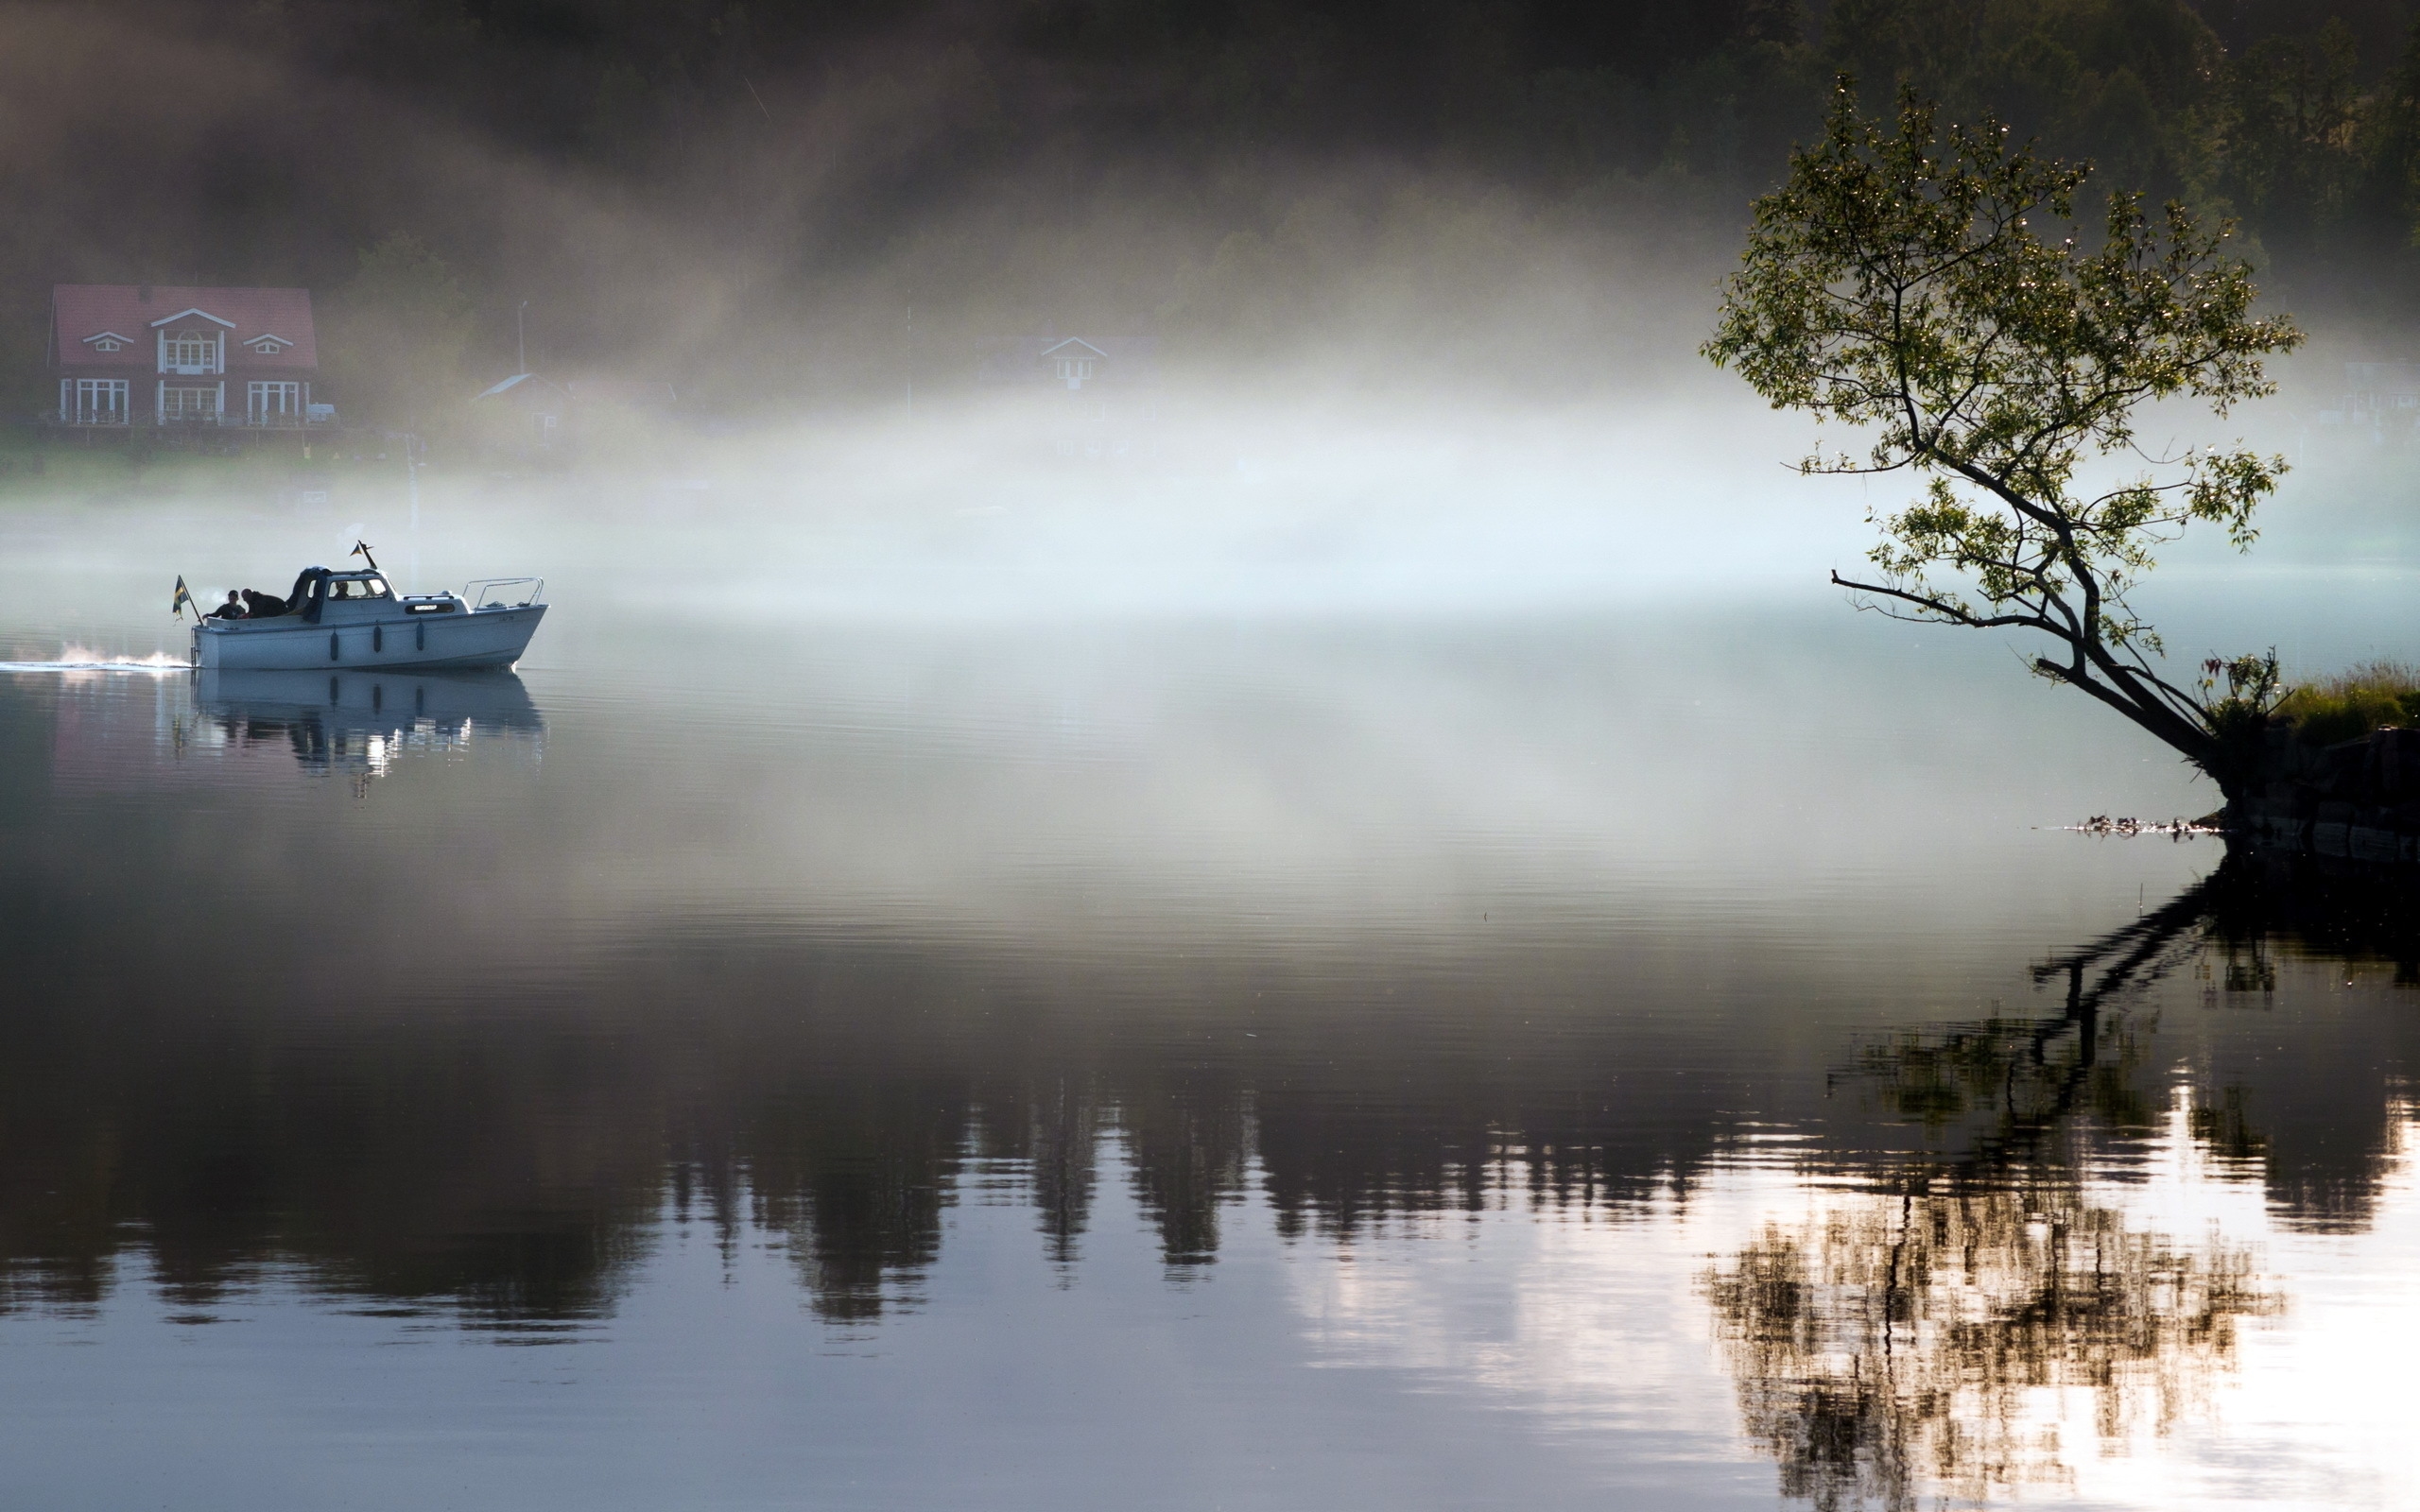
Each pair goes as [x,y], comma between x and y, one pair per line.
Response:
[502,593]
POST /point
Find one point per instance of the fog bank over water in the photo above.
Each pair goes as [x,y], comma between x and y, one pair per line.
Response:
[1437,501]
[1439,505]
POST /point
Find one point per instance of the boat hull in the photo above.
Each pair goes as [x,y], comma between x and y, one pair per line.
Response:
[481,638]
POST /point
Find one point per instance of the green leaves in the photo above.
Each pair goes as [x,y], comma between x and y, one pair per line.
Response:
[1932,287]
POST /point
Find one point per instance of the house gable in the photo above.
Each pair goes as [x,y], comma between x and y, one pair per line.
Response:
[108,342]
[525,390]
[181,315]
[507,387]
[1079,363]
[1074,361]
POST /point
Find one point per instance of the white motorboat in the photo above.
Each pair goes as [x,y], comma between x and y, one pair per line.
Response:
[355,620]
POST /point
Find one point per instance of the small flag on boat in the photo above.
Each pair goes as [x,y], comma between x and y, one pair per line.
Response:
[361,549]
[182,600]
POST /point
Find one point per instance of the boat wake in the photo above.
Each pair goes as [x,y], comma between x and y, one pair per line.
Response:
[83,658]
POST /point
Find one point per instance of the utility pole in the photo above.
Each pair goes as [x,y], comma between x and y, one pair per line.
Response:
[911,364]
[411,475]
[521,338]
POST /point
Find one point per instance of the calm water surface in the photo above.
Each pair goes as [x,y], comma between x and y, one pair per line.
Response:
[1530,1060]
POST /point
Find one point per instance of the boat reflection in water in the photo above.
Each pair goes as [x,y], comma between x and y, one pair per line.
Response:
[360,722]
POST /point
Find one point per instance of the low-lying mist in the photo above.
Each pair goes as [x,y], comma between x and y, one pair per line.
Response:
[1225,505]
[1224,501]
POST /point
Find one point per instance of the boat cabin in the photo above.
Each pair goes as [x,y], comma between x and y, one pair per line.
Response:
[321,596]
[353,595]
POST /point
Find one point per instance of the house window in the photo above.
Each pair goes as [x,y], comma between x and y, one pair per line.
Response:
[193,352]
[100,401]
[109,344]
[1075,371]
[272,404]
[188,404]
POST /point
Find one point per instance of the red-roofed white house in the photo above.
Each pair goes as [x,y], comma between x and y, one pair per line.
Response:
[169,354]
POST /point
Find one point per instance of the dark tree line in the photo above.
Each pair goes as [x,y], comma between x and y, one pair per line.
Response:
[711,189]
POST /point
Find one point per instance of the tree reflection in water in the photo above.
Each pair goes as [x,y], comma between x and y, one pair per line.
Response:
[1894,1344]
[1900,1341]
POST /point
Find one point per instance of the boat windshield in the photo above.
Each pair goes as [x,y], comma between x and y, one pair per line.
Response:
[356,588]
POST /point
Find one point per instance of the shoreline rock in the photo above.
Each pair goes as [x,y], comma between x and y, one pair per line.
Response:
[2357,800]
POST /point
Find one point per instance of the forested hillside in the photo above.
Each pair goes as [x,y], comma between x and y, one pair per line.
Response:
[749,199]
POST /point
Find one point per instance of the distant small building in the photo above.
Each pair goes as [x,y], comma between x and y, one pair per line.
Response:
[530,413]
[1093,366]
[525,412]
[167,355]
[1090,395]
[2381,398]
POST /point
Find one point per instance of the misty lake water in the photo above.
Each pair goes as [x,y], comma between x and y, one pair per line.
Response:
[1583,1053]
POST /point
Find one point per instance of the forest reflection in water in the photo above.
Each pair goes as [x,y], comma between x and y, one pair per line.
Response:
[435,1090]
[1893,1345]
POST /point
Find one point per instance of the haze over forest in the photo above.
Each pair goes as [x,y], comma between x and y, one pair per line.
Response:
[747,200]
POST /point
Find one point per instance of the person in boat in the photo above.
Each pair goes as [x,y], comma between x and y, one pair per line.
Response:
[269,606]
[233,609]
[304,601]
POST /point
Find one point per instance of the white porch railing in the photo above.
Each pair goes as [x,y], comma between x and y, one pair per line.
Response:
[273,422]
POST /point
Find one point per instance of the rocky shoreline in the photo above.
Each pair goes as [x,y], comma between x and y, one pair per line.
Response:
[2357,800]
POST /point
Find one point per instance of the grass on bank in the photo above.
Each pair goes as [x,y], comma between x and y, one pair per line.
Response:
[2354,702]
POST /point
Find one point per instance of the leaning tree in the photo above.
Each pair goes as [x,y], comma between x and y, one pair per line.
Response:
[1931,288]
